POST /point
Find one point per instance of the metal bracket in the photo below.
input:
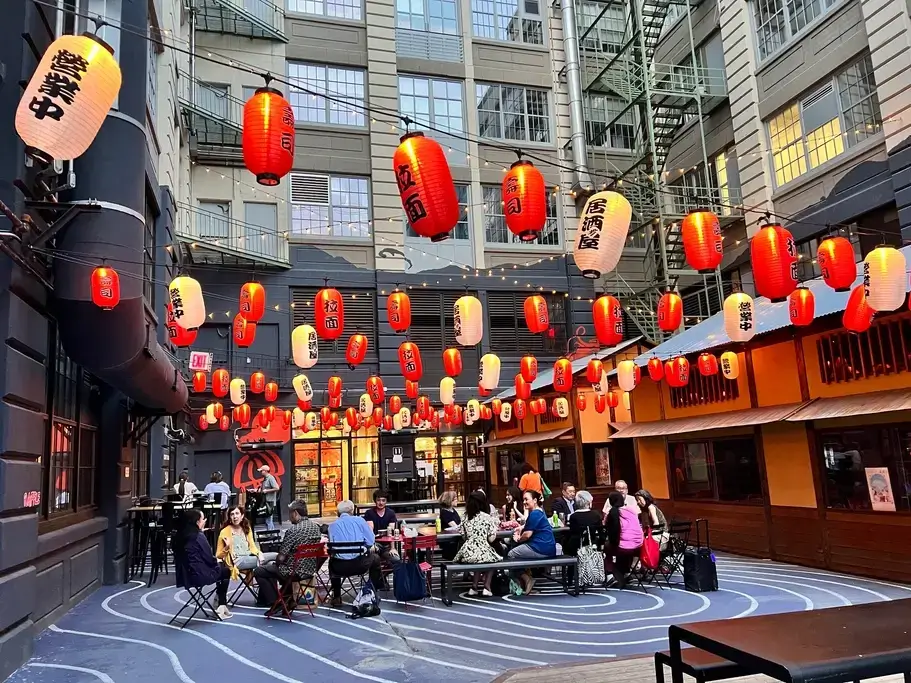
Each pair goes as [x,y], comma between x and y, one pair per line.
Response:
[141,427]
[70,211]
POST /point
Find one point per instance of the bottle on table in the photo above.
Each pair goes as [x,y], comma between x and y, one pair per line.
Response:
[555,521]
[439,525]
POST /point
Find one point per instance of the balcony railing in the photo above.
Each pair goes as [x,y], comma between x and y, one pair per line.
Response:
[210,232]
[250,18]
[440,47]
[211,112]
[724,202]
[677,80]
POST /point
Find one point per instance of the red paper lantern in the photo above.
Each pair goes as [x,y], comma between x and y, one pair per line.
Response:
[655,369]
[335,386]
[398,311]
[457,415]
[218,409]
[244,331]
[270,413]
[395,404]
[410,361]
[563,375]
[452,362]
[702,243]
[773,254]
[352,418]
[329,309]
[801,306]
[594,370]
[387,423]
[670,312]
[524,200]
[262,418]
[528,368]
[271,392]
[707,364]
[423,407]
[496,405]
[434,420]
[178,336]
[356,350]
[613,398]
[858,315]
[608,315]
[482,391]
[600,403]
[325,417]
[268,136]
[412,389]
[486,413]
[257,383]
[221,382]
[202,423]
[375,389]
[580,402]
[536,316]
[105,287]
[252,301]
[542,405]
[523,388]
[335,401]
[199,381]
[287,417]
[677,372]
[519,408]
[377,416]
[241,414]
[304,405]
[835,257]
[425,186]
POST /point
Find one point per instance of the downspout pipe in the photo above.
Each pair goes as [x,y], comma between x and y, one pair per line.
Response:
[573,72]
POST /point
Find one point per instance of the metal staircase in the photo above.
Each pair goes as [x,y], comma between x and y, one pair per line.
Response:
[248,18]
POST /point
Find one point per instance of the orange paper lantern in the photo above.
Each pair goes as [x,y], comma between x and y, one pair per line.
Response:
[257,383]
[105,287]
[608,316]
[425,186]
[268,136]
[252,301]
[287,417]
[224,422]
[424,407]
[528,368]
[677,372]
[858,315]
[271,392]
[377,416]
[594,370]
[655,369]
[241,414]
[524,200]
[523,388]
[835,257]
[329,311]
[199,381]
[801,306]
[536,316]
[218,410]
[670,312]
[519,408]
[304,405]
[335,386]
[613,398]
[356,350]
[375,389]
[202,423]
[563,375]
[395,404]
[244,331]
[221,383]
[325,417]
[773,254]
[412,389]
[707,364]
[496,405]
[352,418]
[410,361]
[452,362]
[398,311]
[178,336]
[335,401]
[600,403]
[702,243]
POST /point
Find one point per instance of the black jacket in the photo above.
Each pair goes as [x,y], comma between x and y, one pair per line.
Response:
[578,523]
[561,506]
[199,563]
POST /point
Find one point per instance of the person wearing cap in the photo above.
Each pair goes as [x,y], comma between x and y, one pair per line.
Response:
[285,568]
[269,488]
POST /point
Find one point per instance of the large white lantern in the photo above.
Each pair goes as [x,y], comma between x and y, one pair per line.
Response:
[603,226]
[69,96]
[405,416]
[626,375]
[468,320]
[298,417]
[365,405]
[238,391]
[490,371]
[302,387]
[187,304]
[730,365]
[884,279]
[304,346]
[447,391]
[472,410]
[626,400]
[210,414]
[561,407]
[739,318]
[505,412]
[312,421]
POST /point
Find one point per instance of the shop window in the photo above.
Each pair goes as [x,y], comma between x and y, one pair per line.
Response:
[723,470]
[319,472]
[882,350]
[702,390]
[558,465]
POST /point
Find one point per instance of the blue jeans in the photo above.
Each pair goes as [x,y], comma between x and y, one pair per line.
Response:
[523,552]
[270,523]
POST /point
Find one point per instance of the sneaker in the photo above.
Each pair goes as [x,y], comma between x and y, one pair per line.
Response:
[223,612]
[515,588]
[472,591]
[486,593]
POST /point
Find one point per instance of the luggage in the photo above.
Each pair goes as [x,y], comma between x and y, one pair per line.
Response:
[699,572]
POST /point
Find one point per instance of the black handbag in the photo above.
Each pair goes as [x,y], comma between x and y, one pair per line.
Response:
[700,575]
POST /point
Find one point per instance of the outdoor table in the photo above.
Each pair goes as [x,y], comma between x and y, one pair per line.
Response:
[834,645]
[415,505]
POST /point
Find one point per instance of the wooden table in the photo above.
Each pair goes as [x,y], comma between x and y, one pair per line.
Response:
[834,645]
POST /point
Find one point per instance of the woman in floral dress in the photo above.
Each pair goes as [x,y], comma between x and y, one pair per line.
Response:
[479,529]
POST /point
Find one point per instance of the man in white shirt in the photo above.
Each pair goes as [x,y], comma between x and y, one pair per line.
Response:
[629,501]
[185,487]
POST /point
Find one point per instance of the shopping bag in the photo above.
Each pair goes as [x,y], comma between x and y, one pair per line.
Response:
[650,555]
[408,582]
[591,564]
[366,604]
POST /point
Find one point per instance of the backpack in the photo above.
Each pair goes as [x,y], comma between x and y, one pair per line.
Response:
[591,563]
[366,604]
[408,582]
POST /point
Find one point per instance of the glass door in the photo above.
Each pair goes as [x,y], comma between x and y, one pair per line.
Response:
[475,465]
[425,458]
[365,468]
[306,474]
[332,454]
[454,475]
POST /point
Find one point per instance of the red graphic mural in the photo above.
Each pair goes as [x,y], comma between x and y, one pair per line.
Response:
[245,474]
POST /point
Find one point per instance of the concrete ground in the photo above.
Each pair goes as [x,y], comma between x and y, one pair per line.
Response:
[120,633]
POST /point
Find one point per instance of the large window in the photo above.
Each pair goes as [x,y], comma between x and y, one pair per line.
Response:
[435,16]
[337,206]
[884,349]
[609,122]
[344,90]
[518,21]
[495,230]
[513,113]
[820,126]
[339,9]
[608,27]
[704,389]
[213,220]
[724,470]
[777,21]
[438,104]
[462,230]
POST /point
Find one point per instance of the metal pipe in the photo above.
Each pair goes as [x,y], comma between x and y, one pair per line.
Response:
[574,82]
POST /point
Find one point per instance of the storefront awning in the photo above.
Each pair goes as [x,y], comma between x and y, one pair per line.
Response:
[849,406]
[527,438]
[735,418]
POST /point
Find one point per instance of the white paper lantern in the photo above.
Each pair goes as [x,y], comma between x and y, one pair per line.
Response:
[601,388]
[601,236]
[730,365]
[210,414]
[506,412]
[884,279]
[397,421]
[626,400]
[69,96]
[490,371]
[238,391]
[561,407]
[626,375]
[298,417]
[472,410]
[304,346]
[739,319]
[468,320]
[302,387]
[312,422]
[365,405]
[187,304]
[405,415]
[447,391]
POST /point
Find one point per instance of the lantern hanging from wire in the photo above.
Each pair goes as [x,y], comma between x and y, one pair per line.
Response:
[490,371]
[581,402]
[375,389]
[178,336]
[406,416]
[398,311]
[287,418]
[524,200]
[885,279]
[202,422]
[424,407]
[773,254]
[702,242]
[304,346]
[425,186]
[520,408]
[187,303]
[397,422]
[365,406]
[447,391]
[452,362]
[221,382]
[561,407]
[835,257]
[252,301]
[199,381]
[218,410]
[473,410]
[486,412]
[377,415]
[352,418]
[468,320]
[677,372]
[801,306]
[105,287]
[412,389]
[506,412]
[600,403]
[298,417]
[334,401]
[271,392]
[238,391]
[528,368]
[335,386]
[858,315]
[268,136]
[244,331]
[563,375]
[707,364]
[325,417]
[739,320]
[730,365]
[329,312]
[523,388]
[395,403]
[312,422]
[594,370]
[304,405]
[608,316]
[410,362]
[613,398]
[602,386]
[536,316]
[670,312]
[628,375]
[262,418]
[257,383]
[242,415]
[655,369]
[356,350]
[534,406]
[603,226]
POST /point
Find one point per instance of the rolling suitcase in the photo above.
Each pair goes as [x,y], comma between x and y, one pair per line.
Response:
[699,572]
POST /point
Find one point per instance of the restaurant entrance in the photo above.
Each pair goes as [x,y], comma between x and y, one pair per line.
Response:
[449,462]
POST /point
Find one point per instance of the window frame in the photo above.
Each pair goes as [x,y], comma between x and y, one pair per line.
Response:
[149,261]
[298,98]
[788,34]
[330,207]
[427,19]
[450,138]
[711,466]
[201,211]
[289,8]
[609,132]
[521,15]
[501,124]
[464,218]
[497,220]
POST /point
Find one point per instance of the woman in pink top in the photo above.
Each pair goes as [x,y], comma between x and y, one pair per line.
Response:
[624,537]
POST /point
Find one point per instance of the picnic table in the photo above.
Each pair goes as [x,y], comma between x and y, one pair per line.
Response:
[404,505]
[832,645]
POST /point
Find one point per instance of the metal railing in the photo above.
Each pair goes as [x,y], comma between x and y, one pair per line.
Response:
[205,230]
[441,47]
[678,200]
[254,18]
[677,80]
[209,101]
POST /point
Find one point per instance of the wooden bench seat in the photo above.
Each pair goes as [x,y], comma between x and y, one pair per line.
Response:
[545,562]
[701,665]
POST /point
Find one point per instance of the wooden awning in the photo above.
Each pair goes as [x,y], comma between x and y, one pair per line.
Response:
[682,425]
[860,404]
[533,437]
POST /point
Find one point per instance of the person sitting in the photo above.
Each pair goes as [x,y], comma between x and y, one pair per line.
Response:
[493,512]
[350,529]
[285,568]
[479,530]
[449,521]
[236,546]
[535,540]
[379,518]
[652,517]
[629,501]
[624,536]
[513,511]
[201,568]
[217,485]
[564,505]
[184,487]
[531,480]
[583,520]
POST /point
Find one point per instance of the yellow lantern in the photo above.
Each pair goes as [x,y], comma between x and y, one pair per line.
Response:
[468,320]
[69,96]
[884,279]
[210,414]
[472,410]
[302,387]
[561,407]
[304,346]
[312,421]
[626,400]
[405,416]
[397,421]
[238,391]
[603,225]
[490,371]
[365,406]
[447,391]
[730,365]
[187,304]
[298,417]
[739,317]
[506,412]
[627,375]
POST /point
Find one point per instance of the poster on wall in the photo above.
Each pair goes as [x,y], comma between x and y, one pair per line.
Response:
[602,467]
[880,489]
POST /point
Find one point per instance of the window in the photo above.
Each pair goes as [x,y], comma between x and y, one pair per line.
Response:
[807,267]
[723,470]
[518,21]
[723,184]
[777,21]
[322,205]
[213,220]
[702,390]
[213,98]
[607,30]
[435,16]
[345,87]
[148,259]
[360,314]
[513,113]
[462,230]
[507,332]
[819,127]
[154,48]
[436,103]
[495,230]
[339,9]
[884,349]
[609,122]
[139,476]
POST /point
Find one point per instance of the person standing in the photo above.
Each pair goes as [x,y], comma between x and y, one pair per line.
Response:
[269,488]
[285,568]
[531,480]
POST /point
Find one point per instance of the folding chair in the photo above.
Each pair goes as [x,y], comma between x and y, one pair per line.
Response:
[247,584]
[672,559]
[360,549]
[305,551]
[416,544]
[198,596]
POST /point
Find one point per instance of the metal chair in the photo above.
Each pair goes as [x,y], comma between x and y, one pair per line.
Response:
[359,549]
[198,596]
[306,551]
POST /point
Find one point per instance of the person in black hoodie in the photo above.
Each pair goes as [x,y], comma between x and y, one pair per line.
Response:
[202,569]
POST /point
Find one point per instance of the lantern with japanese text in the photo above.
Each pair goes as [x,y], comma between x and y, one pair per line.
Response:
[304,405]
[335,386]
[580,402]
[655,369]
[335,401]
[262,418]
[271,392]
[105,287]
[520,408]
[482,391]
[244,331]
[452,362]
[252,301]
[835,257]
[221,382]
[600,403]
[329,311]
[628,375]
[187,303]
[523,388]
[304,346]
[506,412]
[424,407]
[537,406]
[211,416]
[397,422]
[613,398]
[608,316]
[739,320]
[677,372]
[490,371]
[302,387]
[268,136]
[375,389]
[670,312]
[365,406]
[536,316]
[69,96]
[468,320]
[202,423]
[395,404]
[356,350]
[178,336]
[603,226]
[563,375]
[405,415]
[410,361]
[528,368]
[702,242]
[561,407]
[858,315]
[199,381]
[377,415]
[434,419]
[473,410]
[524,200]
[457,415]
[602,385]
[447,391]
[398,311]
[311,423]
[496,405]
[707,364]
[352,418]
[425,186]
[325,417]
[730,365]
[238,391]
[242,415]
[885,279]
[773,254]
[257,383]
[801,306]
[412,389]
[388,423]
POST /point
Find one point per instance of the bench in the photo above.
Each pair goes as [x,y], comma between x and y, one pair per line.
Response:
[701,665]
[546,562]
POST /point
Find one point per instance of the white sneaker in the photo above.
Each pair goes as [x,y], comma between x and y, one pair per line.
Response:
[223,612]
[486,593]
[472,591]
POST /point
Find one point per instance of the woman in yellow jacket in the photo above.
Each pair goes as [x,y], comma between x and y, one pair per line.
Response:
[236,546]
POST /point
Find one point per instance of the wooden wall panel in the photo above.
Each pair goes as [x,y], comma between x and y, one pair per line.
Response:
[870,544]
[737,529]
[797,536]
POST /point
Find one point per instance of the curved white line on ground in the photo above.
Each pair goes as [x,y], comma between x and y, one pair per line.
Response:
[144,600]
[784,575]
[100,675]
[790,569]
[748,575]
[808,603]
[172,656]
